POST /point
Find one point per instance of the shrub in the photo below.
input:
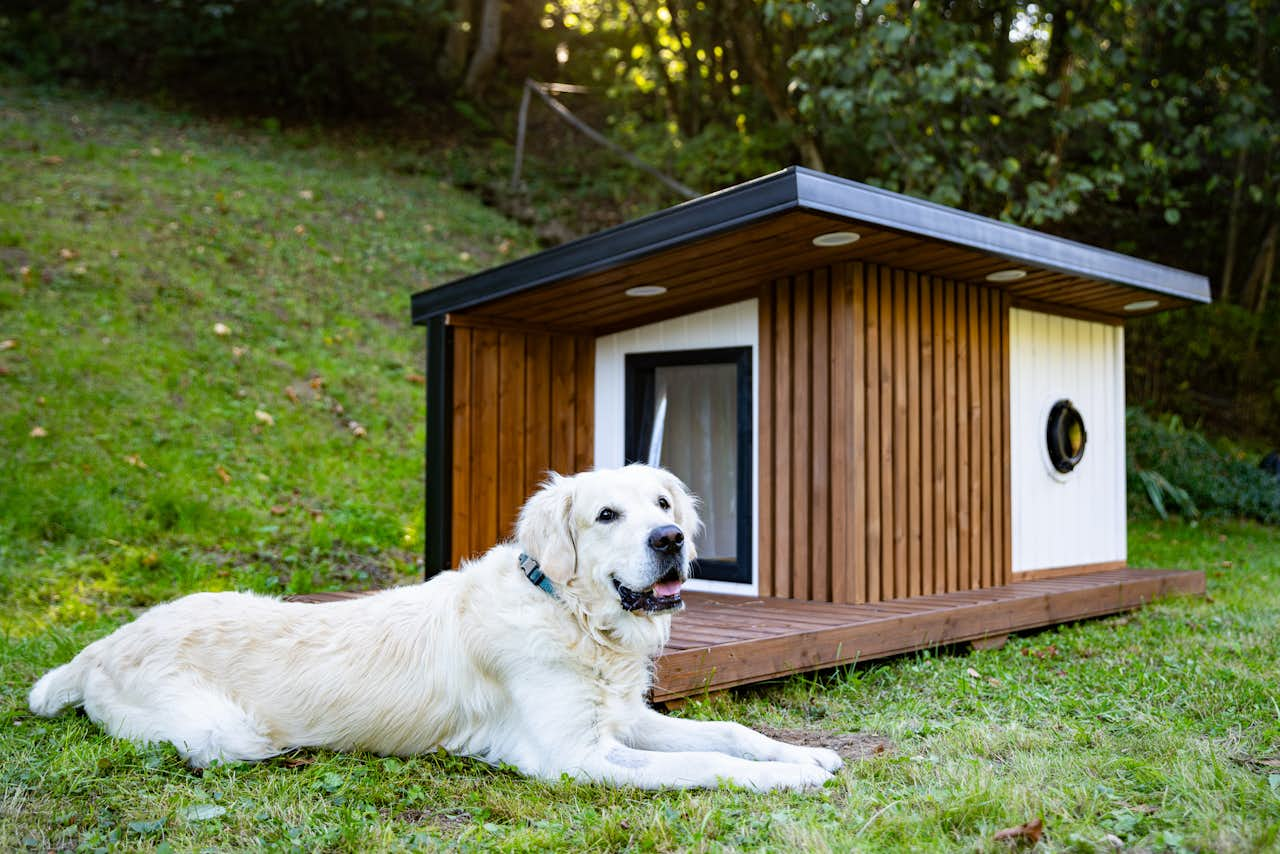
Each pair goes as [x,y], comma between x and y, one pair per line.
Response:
[1172,465]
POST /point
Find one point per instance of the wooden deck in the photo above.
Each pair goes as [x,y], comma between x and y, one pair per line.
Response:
[723,641]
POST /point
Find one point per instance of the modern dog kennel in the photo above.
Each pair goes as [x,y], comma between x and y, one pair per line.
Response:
[906,422]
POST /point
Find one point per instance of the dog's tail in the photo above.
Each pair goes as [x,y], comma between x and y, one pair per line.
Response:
[59,688]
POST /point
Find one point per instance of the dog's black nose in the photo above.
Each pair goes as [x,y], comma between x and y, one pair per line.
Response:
[668,539]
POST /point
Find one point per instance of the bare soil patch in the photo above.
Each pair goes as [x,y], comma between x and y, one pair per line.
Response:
[850,745]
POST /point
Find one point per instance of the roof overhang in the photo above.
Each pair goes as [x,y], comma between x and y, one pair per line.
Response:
[724,246]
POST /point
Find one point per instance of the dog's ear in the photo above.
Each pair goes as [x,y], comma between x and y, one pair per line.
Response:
[544,529]
[684,507]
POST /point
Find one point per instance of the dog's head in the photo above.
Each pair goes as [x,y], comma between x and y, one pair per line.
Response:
[621,536]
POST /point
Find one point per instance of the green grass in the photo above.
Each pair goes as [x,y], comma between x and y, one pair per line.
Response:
[1157,730]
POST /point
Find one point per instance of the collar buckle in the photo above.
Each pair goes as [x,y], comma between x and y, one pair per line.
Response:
[536,576]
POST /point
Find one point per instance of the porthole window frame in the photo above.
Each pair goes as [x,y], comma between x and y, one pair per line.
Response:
[1061,467]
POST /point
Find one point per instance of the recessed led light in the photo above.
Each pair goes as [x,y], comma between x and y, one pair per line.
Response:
[1141,305]
[646,291]
[1006,275]
[837,238]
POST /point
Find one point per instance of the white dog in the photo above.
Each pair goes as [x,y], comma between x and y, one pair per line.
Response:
[538,655]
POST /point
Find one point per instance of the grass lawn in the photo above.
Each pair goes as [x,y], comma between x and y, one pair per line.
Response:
[208,381]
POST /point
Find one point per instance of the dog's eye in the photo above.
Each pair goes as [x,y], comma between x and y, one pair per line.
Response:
[664,503]
[608,514]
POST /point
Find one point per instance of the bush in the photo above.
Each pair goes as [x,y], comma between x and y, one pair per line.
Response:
[1171,465]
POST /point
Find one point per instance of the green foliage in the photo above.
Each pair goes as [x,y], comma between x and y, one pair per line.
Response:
[290,57]
[1169,462]
[1218,365]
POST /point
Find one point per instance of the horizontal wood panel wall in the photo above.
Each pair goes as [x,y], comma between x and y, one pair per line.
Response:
[884,459]
[522,406]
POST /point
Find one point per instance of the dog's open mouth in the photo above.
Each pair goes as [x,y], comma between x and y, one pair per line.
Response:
[663,596]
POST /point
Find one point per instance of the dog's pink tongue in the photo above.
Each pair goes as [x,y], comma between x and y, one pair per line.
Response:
[667,588]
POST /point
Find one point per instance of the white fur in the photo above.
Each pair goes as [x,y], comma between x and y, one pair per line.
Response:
[479,662]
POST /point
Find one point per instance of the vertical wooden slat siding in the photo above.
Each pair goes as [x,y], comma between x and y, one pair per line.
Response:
[924,402]
[584,451]
[463,401]
[1006,440]
[915,470]
[974,434]
[820,395]
[888,524]
[801,439]
[522,407]
[564,393]
[961,416]
[951,398]
[783,332]
[871,461]
[883,436]
[511,432]
[856,510]
[484,444]
[841,476]
[764,445]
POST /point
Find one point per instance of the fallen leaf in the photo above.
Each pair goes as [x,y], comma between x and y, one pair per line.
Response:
[264,416]
[67,254]
[291,394]
[317,382]
[4,372]
[299,229]
[994,682]
[135,461]
[38,432]
[973,673]
[202,812]
[8,344]
[237,352]
[224,474]
[278,510]
[306,195]
[379,215]
[221,328]
[1028,833]
[464,256]
[357,429]
[145,827]
[296,761]
[417,379]
[51,160]
[504,247]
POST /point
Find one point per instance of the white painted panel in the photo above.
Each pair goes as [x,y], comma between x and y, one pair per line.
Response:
[1078,518]
[736,325]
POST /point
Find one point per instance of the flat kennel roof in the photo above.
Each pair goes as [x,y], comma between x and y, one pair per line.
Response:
[725,245]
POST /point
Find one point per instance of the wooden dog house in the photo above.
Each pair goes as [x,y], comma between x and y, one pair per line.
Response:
[906,421]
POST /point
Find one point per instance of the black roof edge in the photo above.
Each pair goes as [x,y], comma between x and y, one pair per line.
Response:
[701,217]
[799,187]
[842,197]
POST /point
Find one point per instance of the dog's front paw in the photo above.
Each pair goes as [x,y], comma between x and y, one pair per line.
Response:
[786,775]
[826,759]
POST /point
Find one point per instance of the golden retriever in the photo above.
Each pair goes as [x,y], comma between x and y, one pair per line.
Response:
[549,677]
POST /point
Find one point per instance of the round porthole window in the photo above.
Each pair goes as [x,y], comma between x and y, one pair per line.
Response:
[1066,436]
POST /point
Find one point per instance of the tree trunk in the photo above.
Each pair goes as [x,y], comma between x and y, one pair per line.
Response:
[488,41]
[750,38]
[453,55]
[1254,295]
